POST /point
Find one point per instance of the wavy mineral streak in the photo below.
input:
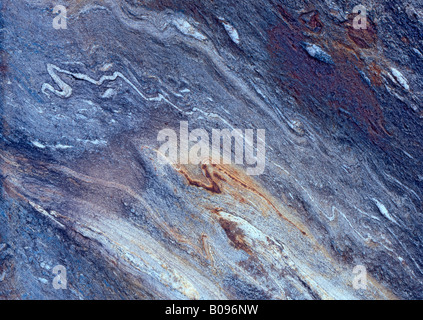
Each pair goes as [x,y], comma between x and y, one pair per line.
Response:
[67,90]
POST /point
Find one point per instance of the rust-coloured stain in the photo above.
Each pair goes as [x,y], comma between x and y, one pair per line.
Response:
[364,38]
[325,88]
[227,179]
[312,21]
[212,186]
[234,234]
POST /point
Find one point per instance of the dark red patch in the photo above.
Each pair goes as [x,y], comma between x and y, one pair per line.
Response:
[312,21]
[364,38]
[321,87]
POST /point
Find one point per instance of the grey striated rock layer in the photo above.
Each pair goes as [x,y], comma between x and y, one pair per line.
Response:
[81,182]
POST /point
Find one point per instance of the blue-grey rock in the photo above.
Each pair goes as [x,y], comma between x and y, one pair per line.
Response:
[85,188]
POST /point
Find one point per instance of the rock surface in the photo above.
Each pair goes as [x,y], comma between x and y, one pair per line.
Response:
[81,181]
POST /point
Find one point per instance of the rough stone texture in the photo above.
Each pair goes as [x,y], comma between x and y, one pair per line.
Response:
[81,185]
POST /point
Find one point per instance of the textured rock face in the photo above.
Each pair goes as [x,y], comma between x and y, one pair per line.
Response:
[84,186]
